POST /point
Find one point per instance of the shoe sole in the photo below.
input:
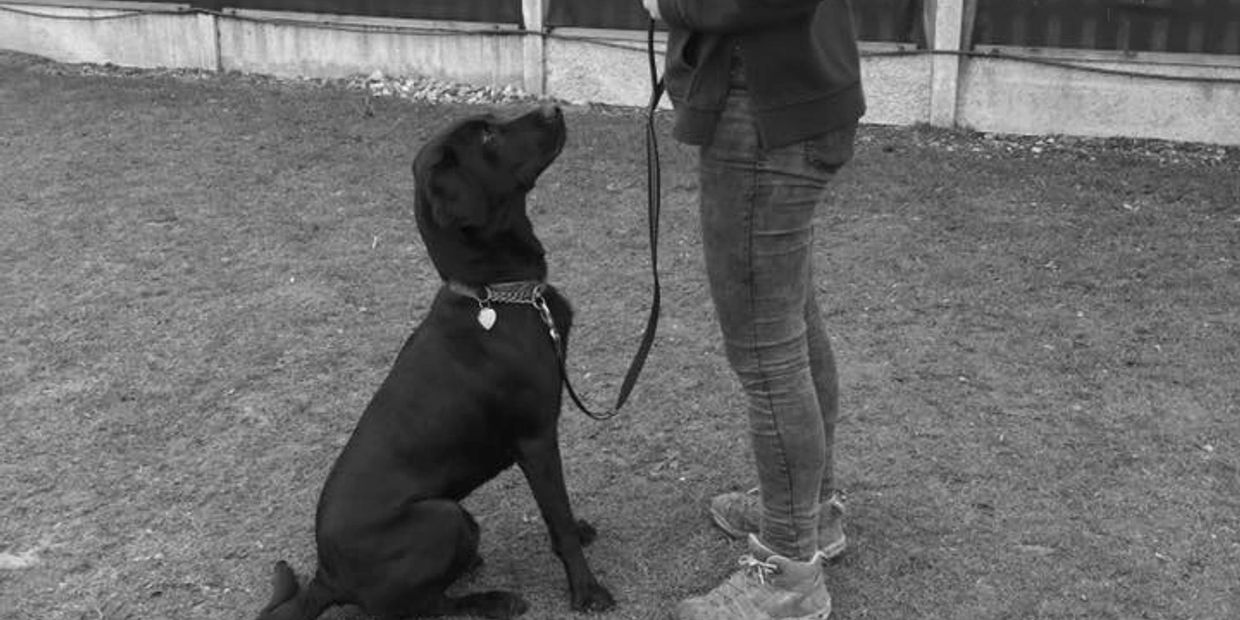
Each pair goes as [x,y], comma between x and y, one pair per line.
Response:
[828,552]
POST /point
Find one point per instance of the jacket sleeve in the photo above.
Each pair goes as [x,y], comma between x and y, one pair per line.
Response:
[734,16]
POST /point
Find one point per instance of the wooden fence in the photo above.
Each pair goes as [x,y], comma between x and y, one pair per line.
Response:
[1183,26]
[1178,26]
[876,20]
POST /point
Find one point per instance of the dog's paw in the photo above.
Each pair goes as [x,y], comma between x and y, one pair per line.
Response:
[493,604]
[593,597]
[586,532]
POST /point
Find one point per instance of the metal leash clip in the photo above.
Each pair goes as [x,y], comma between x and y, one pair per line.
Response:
[544,311]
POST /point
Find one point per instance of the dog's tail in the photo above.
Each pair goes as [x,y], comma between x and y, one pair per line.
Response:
[289,602]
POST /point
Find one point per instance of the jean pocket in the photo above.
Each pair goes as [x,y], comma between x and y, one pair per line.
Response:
[830,151]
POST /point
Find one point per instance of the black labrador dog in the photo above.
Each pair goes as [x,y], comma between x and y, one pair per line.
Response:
[476,388]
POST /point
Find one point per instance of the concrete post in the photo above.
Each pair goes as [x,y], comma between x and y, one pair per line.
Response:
[534,47]
[947,39]
[209,33]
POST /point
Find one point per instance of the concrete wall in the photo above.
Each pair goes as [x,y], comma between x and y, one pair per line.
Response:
[616,72]
[1017,97]
[300,44]
[903,87]
[898,89]
[120,34]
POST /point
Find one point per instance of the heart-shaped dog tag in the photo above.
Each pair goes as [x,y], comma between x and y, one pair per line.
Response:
[486,318]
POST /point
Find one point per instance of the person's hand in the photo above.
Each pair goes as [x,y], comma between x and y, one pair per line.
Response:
[652,7]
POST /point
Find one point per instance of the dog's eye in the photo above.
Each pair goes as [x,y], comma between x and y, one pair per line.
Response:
[488,135]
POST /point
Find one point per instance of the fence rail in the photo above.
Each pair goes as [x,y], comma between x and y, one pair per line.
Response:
[493,11]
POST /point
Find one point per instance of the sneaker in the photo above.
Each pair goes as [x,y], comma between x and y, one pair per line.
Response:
[767,587]
[738,514]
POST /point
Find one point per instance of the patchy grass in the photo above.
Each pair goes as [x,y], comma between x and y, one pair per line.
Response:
[206,277]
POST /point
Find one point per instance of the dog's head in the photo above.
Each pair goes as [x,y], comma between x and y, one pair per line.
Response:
[471,182]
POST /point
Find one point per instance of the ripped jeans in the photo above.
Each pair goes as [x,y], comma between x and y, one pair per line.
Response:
[757,218]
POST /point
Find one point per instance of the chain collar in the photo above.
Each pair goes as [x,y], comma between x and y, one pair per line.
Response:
[518,292]
[523,292]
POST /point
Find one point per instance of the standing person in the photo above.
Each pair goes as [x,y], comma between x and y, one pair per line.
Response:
[770,92]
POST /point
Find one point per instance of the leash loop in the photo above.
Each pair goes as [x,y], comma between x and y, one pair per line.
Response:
[653,184]
[544,311]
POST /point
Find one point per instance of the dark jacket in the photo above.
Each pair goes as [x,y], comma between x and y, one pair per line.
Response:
[799,56]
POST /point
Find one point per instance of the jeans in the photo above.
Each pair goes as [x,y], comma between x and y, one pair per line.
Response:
[757,217]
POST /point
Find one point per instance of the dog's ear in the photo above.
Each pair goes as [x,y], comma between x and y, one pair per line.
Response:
[456,201]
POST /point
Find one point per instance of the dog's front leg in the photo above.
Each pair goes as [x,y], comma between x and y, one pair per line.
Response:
[539,459]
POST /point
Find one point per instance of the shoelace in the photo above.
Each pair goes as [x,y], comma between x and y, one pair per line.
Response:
[760,568]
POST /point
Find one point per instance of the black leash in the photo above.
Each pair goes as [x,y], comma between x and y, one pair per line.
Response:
[653,182]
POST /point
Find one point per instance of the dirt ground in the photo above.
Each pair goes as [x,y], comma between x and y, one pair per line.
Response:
[205,277]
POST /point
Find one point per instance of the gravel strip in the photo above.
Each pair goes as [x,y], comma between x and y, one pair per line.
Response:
[436,91]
